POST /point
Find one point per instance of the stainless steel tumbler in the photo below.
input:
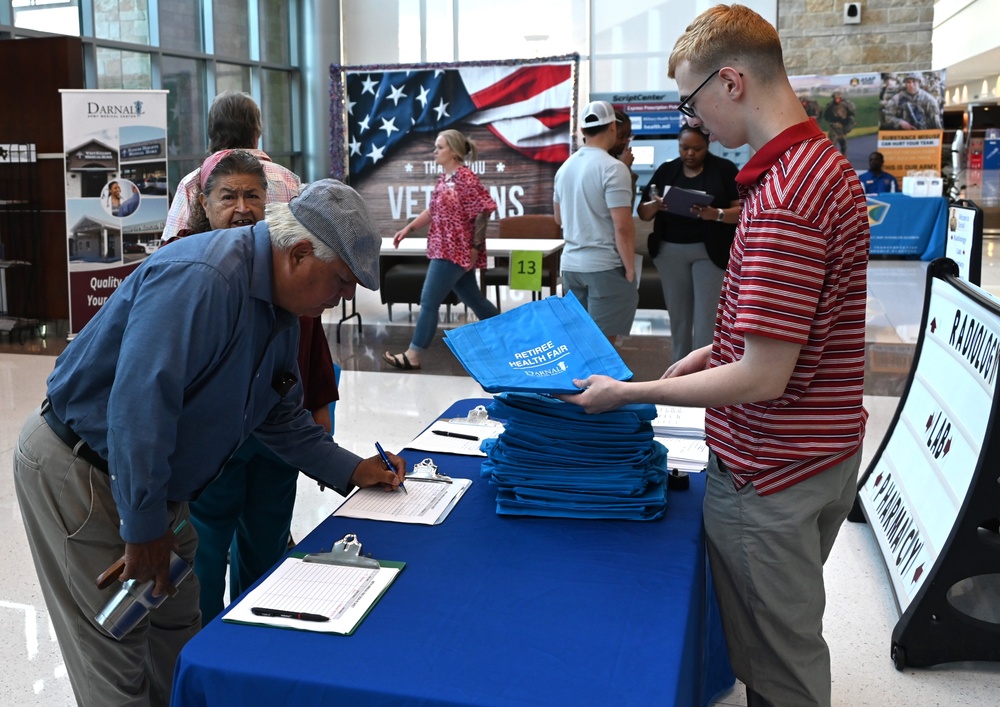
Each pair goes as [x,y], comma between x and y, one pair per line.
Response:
[133,601]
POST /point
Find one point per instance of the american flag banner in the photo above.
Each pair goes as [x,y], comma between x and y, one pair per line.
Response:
[384,121]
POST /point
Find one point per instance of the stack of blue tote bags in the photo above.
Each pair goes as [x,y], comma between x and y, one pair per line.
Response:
[553,459]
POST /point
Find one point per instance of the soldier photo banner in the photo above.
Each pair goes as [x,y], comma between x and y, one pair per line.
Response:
[911,121]
[846,107]
[898,114]
[385,120]
[912,101]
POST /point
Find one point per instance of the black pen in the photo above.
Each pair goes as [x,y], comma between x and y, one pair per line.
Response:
[457,435]
[279,614]
[388,465]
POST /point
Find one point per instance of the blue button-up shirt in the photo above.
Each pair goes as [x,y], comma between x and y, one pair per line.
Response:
[179,367]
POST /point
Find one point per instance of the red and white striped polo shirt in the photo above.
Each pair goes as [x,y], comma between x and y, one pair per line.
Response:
[798,272]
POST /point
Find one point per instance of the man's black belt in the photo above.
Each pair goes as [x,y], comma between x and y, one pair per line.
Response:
[71,439]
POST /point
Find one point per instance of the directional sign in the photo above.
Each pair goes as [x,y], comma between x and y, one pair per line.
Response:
[917,485]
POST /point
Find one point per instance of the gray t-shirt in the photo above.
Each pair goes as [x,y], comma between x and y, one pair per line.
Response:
[588,185]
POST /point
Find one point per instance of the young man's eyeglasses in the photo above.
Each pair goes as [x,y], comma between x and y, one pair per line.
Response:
[685,106]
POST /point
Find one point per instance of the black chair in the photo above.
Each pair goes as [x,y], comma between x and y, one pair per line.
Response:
[527,226]
[401,279]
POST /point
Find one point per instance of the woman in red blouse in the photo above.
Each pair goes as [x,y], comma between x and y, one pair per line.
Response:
[456,243]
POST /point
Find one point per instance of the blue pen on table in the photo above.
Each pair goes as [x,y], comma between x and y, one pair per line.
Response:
[388,464]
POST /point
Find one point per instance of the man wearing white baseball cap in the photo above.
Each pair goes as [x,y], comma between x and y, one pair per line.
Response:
[593,203]
[195,351]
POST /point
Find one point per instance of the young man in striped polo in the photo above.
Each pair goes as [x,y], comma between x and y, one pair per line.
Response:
[783,378]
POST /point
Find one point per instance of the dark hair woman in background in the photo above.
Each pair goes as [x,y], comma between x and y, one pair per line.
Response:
[691,251]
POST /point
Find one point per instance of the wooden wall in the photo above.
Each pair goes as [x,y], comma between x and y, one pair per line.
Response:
[33,71]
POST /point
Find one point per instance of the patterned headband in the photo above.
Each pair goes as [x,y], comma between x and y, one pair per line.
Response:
[209,165]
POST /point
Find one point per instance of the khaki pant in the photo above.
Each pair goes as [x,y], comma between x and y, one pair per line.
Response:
[72,526]
[767,555]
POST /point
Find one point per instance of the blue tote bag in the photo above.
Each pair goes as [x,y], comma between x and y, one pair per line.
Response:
[539,347]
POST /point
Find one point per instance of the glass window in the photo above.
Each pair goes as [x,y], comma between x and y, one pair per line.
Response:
[120,69]
[408,28]
[232,28]
[632,28]
[186,109]
[274,41]
[550,32]
[633,73]
[366,24]
[440,37]
[180,25]
[632,41]
[276,110]
[64,19]
[122,20]
[232,77]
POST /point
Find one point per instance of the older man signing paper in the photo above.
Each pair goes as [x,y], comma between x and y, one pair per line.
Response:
[194,352]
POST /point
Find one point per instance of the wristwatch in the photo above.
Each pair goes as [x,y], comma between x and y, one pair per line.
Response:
[721,215]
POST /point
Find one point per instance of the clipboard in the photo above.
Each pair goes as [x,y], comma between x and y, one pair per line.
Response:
[678,200]
[342,585]
[455,437]
[429,499]
[459,435]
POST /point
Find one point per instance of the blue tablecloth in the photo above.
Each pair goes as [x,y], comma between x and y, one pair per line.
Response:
[907,226]
[494,611]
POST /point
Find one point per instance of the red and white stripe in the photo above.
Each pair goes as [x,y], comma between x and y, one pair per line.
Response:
[527,107]
[798,273]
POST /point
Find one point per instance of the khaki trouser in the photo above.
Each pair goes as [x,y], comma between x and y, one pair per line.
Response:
[767,555]
[72,526]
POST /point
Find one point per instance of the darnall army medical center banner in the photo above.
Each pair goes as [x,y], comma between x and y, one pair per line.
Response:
[385,119]
[116,190]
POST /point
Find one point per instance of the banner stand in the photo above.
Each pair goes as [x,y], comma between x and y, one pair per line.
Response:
[115,164]
[931,493]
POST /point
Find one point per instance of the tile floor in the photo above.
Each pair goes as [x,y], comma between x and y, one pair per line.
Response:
[860,612]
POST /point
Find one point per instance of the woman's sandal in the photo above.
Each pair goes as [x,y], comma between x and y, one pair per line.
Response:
[393,361]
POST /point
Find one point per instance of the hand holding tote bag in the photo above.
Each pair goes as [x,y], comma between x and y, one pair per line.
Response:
[539,347]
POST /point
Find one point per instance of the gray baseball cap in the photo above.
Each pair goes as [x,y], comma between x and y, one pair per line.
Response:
[336,214]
